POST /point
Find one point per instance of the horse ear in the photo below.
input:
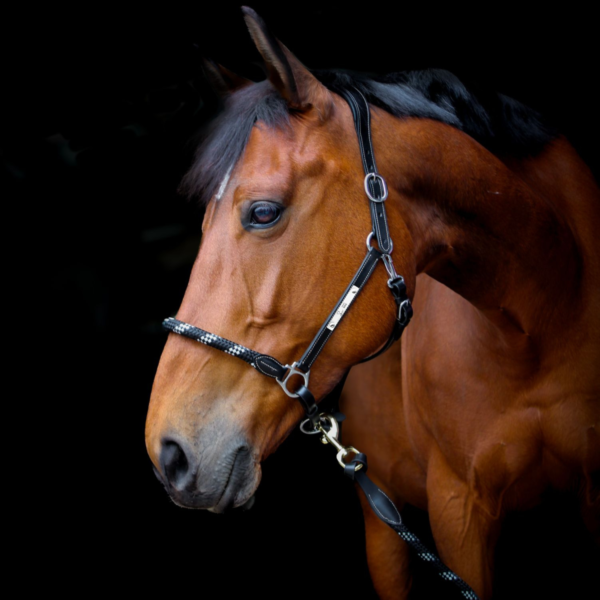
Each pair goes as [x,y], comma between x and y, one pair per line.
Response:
[223,80]
[287,74]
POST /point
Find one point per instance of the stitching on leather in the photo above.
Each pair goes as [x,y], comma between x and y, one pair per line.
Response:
[358,124]
[330,332]
[381,515]
[257,363]
[383,240]
[322,343]
[368,113]
[387,229]
[397,512]
[375,220]
[316,340]
[327,332]
[359,127]
[385,247]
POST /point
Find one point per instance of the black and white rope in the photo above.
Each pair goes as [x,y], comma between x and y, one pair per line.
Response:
[429,557]
[212,340]
[387,511]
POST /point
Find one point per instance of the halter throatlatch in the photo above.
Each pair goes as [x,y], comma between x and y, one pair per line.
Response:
[352,460]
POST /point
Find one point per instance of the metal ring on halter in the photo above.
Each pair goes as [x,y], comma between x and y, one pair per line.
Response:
[293,371]
[383,184]
[370,237]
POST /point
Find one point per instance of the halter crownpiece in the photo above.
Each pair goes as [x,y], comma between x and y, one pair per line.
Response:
[325,424]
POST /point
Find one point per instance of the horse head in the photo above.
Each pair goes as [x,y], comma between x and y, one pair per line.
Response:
[284,232]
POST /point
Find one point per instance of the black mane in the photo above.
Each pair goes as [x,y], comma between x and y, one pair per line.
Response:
[502,125]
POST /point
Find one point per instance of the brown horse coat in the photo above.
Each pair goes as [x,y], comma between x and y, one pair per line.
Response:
[493,395]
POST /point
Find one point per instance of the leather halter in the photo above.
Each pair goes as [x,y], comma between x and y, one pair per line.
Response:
[325,424]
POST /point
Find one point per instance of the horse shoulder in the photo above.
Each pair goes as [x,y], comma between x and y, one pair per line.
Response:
[504,426]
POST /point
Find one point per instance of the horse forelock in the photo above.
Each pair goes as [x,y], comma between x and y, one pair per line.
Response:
[228,136]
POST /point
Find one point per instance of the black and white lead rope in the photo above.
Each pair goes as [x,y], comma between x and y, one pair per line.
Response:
[356,468]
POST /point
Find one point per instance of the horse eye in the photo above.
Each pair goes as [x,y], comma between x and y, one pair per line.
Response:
[264,213]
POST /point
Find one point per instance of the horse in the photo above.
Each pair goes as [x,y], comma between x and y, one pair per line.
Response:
[491,396]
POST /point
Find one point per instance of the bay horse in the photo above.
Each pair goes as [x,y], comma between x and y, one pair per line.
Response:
[491,397]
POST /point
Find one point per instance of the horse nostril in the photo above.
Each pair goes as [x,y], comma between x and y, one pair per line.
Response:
[174,463]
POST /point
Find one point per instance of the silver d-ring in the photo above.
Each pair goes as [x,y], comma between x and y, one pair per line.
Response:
[292,371]
[383,187]
[370,237]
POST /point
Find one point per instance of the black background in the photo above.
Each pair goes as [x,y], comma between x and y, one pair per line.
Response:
[97,113]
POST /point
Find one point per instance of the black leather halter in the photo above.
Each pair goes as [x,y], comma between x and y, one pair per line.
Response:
[377,192]
[322,423]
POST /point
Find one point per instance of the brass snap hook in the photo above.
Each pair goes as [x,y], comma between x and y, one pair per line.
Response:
[330,436]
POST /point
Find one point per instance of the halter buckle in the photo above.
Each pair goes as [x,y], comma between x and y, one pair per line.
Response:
[382,183]
[293,370]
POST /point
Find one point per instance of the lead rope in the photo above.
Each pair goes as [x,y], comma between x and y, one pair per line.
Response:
[383,507]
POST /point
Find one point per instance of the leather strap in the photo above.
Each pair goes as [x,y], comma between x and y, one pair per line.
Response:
[405,312]
[309,404]
[335,316]
[362,122]
[387,511]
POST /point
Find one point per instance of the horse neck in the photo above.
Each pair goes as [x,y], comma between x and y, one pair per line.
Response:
[479,228]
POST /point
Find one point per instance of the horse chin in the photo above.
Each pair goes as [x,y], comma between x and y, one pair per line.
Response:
[237,497]
[247,505]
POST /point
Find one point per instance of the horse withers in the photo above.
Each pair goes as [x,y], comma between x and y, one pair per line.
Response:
[493,394]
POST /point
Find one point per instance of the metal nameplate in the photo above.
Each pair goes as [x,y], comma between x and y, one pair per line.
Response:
[339,313]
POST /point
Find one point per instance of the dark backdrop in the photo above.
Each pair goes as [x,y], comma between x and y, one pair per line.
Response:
[97,112]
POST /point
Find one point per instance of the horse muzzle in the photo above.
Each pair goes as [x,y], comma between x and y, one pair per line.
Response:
[222,476]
